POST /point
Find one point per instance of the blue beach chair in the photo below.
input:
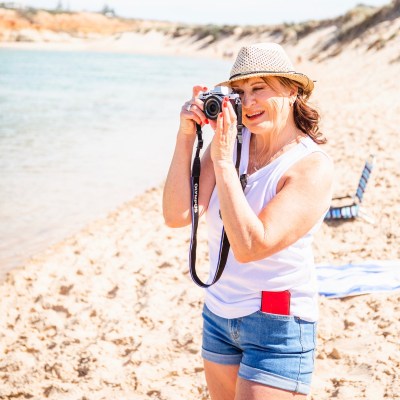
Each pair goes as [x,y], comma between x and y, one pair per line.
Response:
[353,210]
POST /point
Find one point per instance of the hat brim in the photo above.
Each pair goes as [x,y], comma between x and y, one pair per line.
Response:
[306,83]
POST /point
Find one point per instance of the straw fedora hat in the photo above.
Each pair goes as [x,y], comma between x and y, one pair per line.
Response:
[266,59]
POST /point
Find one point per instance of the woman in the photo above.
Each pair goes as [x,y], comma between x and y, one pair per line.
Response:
[260,317]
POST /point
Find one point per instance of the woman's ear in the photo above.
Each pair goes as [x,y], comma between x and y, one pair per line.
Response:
[294,91]
[293,95]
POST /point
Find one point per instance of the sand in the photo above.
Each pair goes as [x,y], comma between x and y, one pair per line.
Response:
[111,313]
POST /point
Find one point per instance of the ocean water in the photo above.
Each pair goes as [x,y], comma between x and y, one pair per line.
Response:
[80,133]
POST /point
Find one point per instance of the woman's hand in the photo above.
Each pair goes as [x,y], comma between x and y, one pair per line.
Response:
[192,113]
[223,143]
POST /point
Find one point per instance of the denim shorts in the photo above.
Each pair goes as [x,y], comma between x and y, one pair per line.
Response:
[274,350]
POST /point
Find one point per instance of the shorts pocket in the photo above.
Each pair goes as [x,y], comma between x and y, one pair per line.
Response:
[276,316]
[275,333]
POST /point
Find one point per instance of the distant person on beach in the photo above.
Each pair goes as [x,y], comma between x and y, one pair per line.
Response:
[259,318]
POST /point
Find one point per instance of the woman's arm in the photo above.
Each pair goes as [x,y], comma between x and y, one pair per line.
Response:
[304,195]
[177,190]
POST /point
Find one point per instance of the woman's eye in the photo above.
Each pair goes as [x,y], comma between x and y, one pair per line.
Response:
[257,88]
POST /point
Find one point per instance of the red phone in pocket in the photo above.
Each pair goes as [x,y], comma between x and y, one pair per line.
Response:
[276,302]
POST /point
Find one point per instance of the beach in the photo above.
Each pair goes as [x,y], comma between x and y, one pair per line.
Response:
[111,311]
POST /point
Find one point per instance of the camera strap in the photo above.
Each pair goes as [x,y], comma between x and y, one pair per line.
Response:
[195,178]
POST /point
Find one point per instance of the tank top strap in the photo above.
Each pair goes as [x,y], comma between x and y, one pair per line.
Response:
[244,160]
[274,171]
[306,147]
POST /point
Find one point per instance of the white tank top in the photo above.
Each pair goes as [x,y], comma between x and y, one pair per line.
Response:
[238,292]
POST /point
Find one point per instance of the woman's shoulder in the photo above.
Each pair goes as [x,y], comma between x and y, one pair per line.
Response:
[315,170]
[316,162]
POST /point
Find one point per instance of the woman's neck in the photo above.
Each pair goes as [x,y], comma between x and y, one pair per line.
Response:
[265,148]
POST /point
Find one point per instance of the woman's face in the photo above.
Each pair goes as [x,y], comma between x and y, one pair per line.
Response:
[265,104]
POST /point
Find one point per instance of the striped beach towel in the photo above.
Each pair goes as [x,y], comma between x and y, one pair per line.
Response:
[358,278]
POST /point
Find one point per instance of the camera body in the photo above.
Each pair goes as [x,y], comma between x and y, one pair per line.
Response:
[214,98]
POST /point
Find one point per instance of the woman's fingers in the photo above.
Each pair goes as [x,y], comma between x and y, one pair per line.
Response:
[192,112]
[187,114]
[193,109]
[229,117]
[226,117]
[196,91]
[199,114]
[232,112]
[219,125]
[225,133]
[196,110]
[199,103]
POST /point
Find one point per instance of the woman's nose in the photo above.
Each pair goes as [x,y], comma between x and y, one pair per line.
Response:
[247,100]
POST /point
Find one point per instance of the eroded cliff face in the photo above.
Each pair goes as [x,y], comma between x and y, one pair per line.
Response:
[363,26]
[32,25]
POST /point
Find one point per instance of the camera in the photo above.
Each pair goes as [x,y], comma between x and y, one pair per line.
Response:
[214,98]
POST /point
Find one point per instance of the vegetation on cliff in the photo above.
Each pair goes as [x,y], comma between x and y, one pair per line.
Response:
[19,24]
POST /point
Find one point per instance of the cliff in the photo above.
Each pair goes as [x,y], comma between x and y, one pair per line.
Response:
[363,26]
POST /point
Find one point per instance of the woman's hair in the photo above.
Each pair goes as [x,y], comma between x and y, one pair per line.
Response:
[306,117]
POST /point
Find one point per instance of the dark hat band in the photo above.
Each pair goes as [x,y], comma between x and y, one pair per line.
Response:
[265,72]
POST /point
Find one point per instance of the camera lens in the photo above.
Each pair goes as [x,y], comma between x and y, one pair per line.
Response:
[212,107]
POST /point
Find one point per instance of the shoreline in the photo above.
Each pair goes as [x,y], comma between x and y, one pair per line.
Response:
[151,43]
[42,252]
[19,243]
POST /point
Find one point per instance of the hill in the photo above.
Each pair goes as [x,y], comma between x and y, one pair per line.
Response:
[364,26]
